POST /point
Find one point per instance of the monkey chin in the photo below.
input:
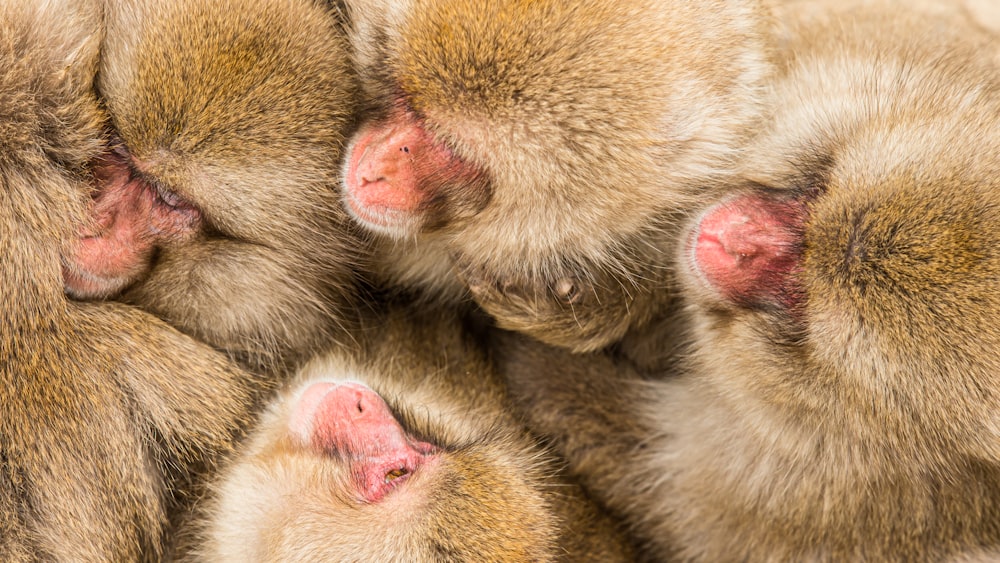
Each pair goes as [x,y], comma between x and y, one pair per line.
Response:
[81,284]
[382,220]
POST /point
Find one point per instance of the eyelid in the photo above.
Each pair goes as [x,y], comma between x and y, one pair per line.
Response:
[169,198]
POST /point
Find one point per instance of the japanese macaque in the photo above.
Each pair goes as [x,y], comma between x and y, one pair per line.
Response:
[405,452]
[107,414]
[840,398]
[216,206]
[541,153]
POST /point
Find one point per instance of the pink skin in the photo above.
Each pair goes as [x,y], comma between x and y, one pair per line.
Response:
[394,169]
[354,421]
[748,249]
[131,218]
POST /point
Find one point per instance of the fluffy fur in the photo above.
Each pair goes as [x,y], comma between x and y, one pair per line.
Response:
[859,423]
[493,495]
[106,413]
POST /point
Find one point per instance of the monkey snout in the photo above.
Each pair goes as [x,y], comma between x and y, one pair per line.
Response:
[336,402]
[747,248]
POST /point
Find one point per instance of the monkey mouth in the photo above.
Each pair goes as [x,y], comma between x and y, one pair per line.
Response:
[376,478]
[394,223]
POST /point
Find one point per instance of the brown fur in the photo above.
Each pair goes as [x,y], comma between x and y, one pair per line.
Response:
[874,408]
[241,109]
[589,407]
[860,425]
[595,126]
[495,496]
[105,412]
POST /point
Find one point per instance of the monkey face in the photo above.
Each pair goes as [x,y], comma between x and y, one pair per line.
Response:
[336,473]
[876,285]
[404,182]
[559,134]
[217,207]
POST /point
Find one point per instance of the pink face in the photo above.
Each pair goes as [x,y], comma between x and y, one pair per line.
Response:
[131,217]
[352,421]
[748,249]
[399,180]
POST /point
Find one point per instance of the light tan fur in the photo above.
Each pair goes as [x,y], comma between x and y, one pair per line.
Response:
[597,125]
[107,414]
[494,494]
[984,14]
[863,424]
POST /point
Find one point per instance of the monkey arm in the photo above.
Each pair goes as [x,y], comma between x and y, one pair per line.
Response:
[584,404]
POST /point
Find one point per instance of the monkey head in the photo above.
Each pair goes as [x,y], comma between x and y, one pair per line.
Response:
[337,472]
[216,207]
[543,142]
[856,299]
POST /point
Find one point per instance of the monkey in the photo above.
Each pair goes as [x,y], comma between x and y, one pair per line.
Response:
[404,450]
[216,206]
[537,157]
[837,398]
[108,416]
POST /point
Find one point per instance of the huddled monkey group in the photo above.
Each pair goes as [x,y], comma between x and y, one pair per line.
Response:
[499,280]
